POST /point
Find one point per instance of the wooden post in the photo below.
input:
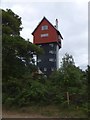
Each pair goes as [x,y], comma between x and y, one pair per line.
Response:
[68,97]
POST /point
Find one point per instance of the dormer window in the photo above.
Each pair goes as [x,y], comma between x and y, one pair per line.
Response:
[44,27]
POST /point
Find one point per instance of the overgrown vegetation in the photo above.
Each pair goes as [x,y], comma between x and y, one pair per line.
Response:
[22,87]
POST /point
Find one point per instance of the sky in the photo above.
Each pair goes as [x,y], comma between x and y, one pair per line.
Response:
[72,23]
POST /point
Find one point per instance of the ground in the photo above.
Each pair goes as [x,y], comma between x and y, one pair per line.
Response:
[43,112]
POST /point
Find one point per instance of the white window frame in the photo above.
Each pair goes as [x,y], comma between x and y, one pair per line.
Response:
[51,52]
[52,69]
[44,35]
[51,45]
[44,27]
[39,45]
[51,59]
[45,69]
[39,60]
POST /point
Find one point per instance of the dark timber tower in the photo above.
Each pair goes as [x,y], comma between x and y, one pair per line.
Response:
[49,38]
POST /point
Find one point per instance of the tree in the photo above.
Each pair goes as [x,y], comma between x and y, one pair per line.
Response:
[11,23]
[68,80]
[17,54]
[72,76]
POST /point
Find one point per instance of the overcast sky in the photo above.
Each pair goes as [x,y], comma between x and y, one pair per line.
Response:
[72,18]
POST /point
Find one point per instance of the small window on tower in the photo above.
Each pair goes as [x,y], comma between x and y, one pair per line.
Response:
[51,52]
[51,45]
[39,60]
[44,35]
[39,45]
[45,69]
[51,59]
[52,69]
[44,27]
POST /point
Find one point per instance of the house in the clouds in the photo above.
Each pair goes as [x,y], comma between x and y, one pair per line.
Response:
[49,38]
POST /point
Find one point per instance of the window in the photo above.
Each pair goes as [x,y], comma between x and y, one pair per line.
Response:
[44,35]
[51,45]
[44,27]
[52,69]
[45,69]
[39,45]
[39,60]
[51,52]
[51,59]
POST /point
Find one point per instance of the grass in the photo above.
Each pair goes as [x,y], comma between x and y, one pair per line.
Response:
[52,111]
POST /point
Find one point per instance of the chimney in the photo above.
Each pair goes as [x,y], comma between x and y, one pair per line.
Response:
[57,24]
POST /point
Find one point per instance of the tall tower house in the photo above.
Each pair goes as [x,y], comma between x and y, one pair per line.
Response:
[49,38]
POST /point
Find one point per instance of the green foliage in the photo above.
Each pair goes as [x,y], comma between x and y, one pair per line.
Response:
[17,56]
[69,78]
[17,53]
[11,23]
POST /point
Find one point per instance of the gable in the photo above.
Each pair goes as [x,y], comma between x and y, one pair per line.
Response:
[45,32]
[44,20]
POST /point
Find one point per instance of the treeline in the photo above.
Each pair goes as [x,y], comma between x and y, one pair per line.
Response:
[21,83]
